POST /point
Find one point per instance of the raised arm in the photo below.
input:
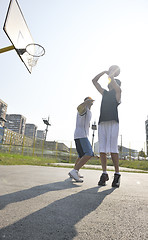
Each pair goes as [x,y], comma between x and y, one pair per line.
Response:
[116,87]
[95,81]
[83,106]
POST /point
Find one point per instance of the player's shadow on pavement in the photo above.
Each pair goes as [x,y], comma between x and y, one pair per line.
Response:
[57,220]
[35,191]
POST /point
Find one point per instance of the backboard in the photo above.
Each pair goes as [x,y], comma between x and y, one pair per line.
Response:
[18,32]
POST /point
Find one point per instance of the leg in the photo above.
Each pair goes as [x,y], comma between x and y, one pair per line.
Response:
[102,136]
[103,161]
[114,145]
[75,172]
[115,159]
[81,162]
[117,176]
[85,152]
[104,177]
[78,159]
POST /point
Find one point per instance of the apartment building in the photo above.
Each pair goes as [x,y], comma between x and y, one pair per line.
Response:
[3,111]
[16,123]
[41,134]
[30,130]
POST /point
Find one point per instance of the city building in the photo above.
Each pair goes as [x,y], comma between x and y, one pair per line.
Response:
[3,111]
[30,130]
[41,134]
[16,123]
[146,129]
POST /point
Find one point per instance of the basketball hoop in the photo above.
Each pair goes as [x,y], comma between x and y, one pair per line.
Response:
[34,51]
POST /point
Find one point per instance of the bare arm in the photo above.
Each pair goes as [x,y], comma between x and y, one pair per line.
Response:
[95,81]
[83,106]
[116,87]
[111,74]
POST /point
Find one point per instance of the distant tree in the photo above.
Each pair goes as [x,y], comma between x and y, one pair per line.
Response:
[141,153]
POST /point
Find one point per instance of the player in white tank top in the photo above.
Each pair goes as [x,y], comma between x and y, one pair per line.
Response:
[83,146]
[82,124]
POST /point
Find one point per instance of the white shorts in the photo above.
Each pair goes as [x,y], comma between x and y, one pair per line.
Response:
[108,137]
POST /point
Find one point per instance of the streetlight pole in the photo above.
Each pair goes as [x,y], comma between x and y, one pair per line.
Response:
[94,127]
[46,122]
[121,146]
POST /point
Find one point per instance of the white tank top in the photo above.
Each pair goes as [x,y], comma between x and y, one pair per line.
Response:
[82,125]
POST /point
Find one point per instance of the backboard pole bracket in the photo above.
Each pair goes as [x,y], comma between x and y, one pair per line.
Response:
[9,48]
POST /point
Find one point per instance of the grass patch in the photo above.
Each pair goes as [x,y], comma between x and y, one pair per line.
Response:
[17,159]
[134,164]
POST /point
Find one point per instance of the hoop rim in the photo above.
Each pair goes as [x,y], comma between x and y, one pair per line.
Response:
[35,44]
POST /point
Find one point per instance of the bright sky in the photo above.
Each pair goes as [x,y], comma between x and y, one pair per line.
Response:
[82,38]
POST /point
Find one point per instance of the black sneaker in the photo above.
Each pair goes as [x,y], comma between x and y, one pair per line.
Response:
[104,177]
[116,181]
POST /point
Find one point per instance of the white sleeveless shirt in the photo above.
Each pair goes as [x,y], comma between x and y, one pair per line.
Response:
[82,125]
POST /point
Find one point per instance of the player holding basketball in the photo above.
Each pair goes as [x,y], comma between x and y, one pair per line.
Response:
[108,126]
[81,134]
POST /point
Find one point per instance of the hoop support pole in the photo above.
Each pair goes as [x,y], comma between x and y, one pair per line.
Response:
[2,50]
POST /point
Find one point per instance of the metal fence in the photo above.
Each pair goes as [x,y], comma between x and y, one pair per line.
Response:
[12,142]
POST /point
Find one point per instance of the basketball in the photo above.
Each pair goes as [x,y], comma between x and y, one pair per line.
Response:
[115,70]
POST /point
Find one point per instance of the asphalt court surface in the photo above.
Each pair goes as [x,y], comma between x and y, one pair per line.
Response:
[44,203]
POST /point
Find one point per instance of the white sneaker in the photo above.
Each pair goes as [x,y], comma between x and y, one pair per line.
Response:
[74,174]
[80,176]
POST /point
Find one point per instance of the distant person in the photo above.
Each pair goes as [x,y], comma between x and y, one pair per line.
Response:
[108,126]
[83,146]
